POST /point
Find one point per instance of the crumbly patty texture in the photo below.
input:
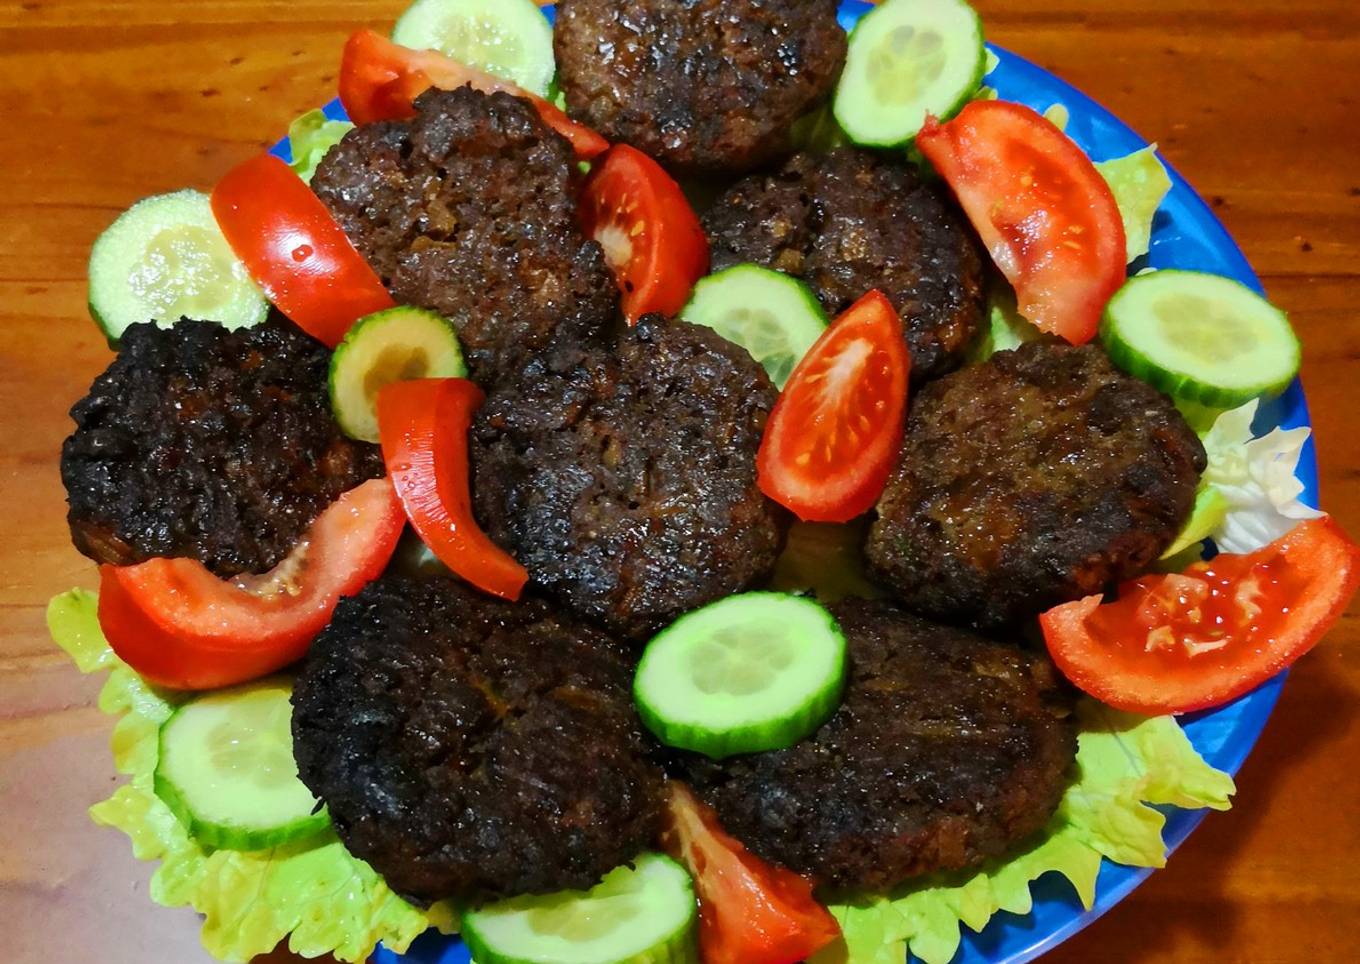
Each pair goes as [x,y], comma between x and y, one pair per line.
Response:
[948,750]
[468,747]
[851,221]
[624,478]
[1038,477]
[208,444]
[700,85]
[469,209]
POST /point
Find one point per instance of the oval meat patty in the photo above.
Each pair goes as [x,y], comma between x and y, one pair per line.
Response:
[948,750]
[468,747]
[208,444]
[851,221]
[624,478]
[469,209]
[700,85]
[1038,477]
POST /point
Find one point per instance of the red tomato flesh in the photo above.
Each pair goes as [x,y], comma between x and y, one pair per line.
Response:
[380,80]
[294,250]
[750,912]
[834,433]
[1176,643]
[1040,206]
[423,426]
[650,234]
[180,626]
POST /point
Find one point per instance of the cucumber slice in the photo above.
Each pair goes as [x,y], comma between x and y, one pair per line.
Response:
[394,345]
[226,769]
[907,59]
[1200,338]
[642,914]
[164,259]
[752,672]
[509,38]
[773,316]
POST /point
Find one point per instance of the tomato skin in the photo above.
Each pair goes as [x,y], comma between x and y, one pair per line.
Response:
[380,80]
[423,425]
[1178,643]
[294,250]
[181,627]
[650,234]
[1044,212]
[827,457]
[750,912]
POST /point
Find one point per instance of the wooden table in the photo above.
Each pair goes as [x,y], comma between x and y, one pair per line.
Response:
[105,101]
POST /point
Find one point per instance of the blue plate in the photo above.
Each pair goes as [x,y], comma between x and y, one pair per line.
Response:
[1185,235]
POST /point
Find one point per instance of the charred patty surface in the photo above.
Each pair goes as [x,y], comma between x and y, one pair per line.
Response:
[624,478]
[1038,477]
[209,444]
[700,85]
[948,750]
[467,746]
[851,221]
[469,209]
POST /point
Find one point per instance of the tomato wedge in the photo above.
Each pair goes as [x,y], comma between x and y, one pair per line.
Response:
[650,235]
[834,433]
[180,626]
[294,250]
[379,80]
[423,425]
[1040,206]
[1176,643]
[750,912]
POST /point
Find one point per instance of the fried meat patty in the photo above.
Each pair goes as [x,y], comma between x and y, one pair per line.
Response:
[1038,477]
[700,85]
[624,477]
[948,750]
[851,221]
[471,747]
[209,444]
[469,209]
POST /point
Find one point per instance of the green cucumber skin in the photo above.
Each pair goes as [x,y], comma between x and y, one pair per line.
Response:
[1183,386]
[678,947]
[774,734]
[224,836]
[899,143]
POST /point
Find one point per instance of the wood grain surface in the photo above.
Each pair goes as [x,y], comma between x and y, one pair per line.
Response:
[105,101]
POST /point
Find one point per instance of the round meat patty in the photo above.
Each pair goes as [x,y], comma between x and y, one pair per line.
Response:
[209,444]
[468,747]
[624,478]
[1038,477]
[469,210]
[948,750]
[850,221]
[700,85]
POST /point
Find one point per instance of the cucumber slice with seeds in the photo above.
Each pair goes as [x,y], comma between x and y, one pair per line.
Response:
[1200,338]
[752,672]
[226,769]
[509,38]
[164,259]
[907,59]
[773,316]
[642,914]
[394,345]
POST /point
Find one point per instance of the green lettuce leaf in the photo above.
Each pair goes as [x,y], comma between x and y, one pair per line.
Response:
[310,137]
[1006,329]
[1139,183]
[313,892]
[1125,763]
